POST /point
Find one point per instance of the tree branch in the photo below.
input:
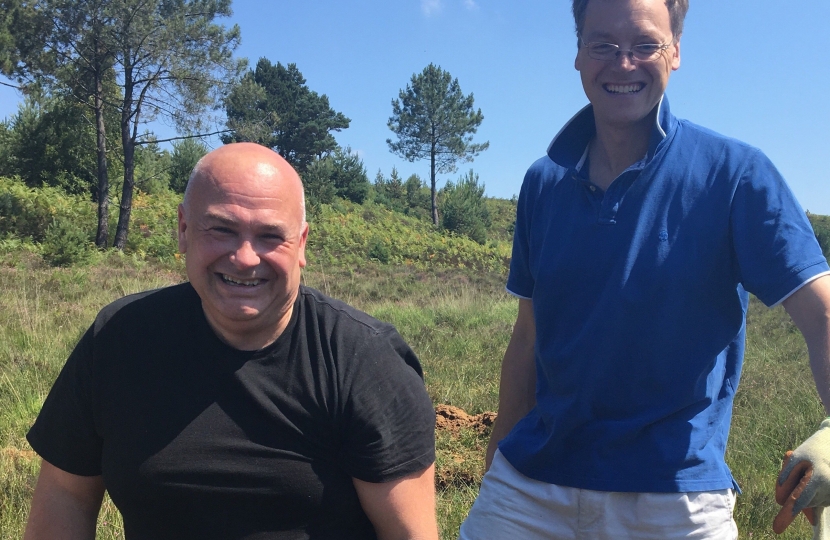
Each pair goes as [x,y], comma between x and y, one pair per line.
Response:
[199,136]
[16,87]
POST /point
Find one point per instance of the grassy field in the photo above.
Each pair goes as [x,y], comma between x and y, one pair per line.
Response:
[458,321]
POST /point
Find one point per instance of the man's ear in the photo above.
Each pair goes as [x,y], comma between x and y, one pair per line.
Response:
[303,238]
[675,60]
[182,230]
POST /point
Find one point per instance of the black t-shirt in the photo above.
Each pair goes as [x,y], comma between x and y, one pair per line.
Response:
[196,439]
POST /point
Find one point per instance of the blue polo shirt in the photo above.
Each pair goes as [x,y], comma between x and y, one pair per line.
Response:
[640,296]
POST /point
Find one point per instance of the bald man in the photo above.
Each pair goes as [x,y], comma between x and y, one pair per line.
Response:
[240,404]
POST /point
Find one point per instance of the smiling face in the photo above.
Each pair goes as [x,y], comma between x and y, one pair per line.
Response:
[624,92]
[241,227]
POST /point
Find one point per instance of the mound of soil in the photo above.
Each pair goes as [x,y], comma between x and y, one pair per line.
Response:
[452,419]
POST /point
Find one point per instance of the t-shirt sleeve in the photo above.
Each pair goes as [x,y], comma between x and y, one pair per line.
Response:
[775,246]
[520,281]
[388,418]
[64,432]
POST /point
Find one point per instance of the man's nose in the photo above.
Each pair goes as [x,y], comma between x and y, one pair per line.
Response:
[245,255]
[625,59]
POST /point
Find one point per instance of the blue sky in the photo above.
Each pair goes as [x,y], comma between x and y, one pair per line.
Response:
[756,70]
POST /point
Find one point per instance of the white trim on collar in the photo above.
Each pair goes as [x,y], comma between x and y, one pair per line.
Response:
[657,118]
[568,123]
[583,158]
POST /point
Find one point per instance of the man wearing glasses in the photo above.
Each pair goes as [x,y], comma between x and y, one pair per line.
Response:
[636,241]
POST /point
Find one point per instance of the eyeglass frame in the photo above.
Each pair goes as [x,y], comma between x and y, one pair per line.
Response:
[630,53]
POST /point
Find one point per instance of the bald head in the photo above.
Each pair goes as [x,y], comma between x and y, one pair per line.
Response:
[244,162]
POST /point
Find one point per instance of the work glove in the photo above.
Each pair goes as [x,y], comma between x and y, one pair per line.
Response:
[804,482]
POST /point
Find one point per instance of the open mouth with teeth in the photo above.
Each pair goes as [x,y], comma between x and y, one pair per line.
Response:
[240,282]
[632,88]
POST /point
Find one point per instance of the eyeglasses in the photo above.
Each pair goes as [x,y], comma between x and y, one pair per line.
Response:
[606,52]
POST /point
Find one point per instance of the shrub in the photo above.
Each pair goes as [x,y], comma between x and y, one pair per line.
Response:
[349,175]
[27,212]
[32,213]
[64,244]
[391,192]
[153,224]
[186,153]
[379,250]
[317,181]
[418,197]
[463,209]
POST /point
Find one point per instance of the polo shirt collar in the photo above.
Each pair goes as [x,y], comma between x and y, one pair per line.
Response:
[568,147]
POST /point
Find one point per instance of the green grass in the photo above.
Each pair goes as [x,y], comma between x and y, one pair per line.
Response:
[776,408]
[457,320]
[43,312]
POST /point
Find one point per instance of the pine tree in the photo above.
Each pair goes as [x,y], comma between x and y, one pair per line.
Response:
[433,119]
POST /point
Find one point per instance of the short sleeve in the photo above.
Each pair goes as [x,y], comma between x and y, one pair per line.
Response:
[388,421]
[520,281]
[64,432]
[774,243]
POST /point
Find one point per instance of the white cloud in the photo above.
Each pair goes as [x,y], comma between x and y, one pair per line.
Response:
[470,4]
[430,6]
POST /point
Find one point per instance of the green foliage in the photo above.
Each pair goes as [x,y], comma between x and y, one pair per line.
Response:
[7,46]
[48,215]
[350,234]
[379,249]
[340,174]
[821,228]
[433,119]
[21,31]
[166,59]
[418,198]
[186,64]
[48,143]
[186,153]
[503,218]
[64,244]
[463,209]
[390,192]
[349,175]
[27,213]
[153,228]
[186,57]
[246,109]
[410,197]
[152,168]
[317,181]
[7,155]
[273,106]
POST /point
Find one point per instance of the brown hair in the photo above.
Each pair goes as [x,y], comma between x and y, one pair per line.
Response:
[677,13]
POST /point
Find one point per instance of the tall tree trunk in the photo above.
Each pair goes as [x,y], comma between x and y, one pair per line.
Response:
[103,177]
[128,144]
[126,207]
[434,197]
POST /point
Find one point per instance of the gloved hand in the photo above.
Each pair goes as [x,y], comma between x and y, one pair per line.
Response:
[787,494]
[804,482]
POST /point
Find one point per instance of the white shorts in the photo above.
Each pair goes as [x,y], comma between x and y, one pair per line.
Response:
[512,506]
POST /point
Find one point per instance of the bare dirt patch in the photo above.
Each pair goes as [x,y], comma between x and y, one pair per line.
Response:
[454,419]
[461,441]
